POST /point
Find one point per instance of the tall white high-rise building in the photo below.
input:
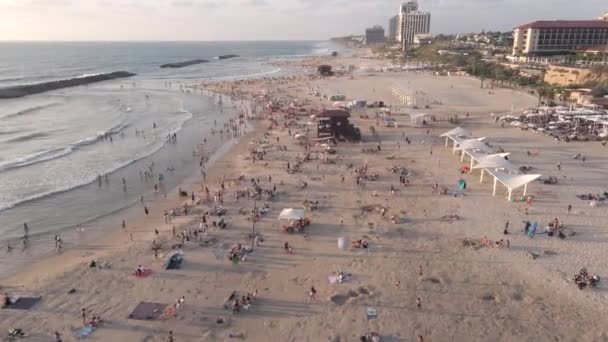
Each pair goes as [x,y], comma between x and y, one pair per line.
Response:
[411,23]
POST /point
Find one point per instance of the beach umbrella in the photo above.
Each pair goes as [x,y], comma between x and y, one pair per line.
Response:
[291,214]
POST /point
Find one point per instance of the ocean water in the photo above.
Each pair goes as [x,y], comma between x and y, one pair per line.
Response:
[54,145]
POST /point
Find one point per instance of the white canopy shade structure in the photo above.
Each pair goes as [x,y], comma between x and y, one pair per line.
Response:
[291,214]
[472,144]
[470,147]
[452,134]
[494,162]
[403,95]
[512,181]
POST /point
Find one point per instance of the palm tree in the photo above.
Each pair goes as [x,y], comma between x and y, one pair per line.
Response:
[546,92]
[566,95]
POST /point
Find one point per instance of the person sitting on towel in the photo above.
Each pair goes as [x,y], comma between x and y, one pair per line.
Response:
[139,271]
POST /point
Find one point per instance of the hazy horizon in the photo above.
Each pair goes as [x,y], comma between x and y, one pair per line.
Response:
[259,20]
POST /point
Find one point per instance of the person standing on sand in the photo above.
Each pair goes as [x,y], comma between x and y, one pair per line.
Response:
[146,210]
[569,208]
[83,313]
[313,293]
[124,225]
[170,337]
[26,230]
[420,272]
[57,336]
[419,303]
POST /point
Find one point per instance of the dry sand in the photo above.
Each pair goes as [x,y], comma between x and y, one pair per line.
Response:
[467,294]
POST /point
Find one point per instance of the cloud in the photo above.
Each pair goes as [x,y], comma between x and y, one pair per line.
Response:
[47,3]
[182,3]
[257,3]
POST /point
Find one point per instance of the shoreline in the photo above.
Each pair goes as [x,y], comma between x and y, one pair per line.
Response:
[94,224]
[117,240]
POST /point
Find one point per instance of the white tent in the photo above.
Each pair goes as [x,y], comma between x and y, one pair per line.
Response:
[415,117]
[291,214]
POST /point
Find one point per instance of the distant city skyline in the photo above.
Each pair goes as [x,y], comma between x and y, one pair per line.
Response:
[154,20]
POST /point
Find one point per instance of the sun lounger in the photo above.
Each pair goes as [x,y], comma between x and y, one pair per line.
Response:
[84,332]
[371,313]
[334,279]
[23,303]
[147,311]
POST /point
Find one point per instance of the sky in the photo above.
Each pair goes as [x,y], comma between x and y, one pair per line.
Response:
[214,20]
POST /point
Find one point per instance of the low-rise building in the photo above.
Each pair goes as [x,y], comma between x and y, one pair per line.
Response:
[374,36]
[423,39]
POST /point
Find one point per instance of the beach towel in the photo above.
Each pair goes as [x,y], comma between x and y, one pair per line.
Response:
[147,311]
[146,272]
[174,260]
[334,279]
[24,303]
[532,230]
[168,313]
[84,332]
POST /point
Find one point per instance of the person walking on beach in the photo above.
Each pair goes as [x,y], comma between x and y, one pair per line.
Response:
[420,272]
[124,225]
[569,208]
[57,336]
[26,231]
[83,313]
[313,293]
[146,210]
[170,337]
[419,303]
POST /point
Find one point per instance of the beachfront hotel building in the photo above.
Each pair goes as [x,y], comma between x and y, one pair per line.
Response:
[411,23]
[374,36]
[546,38]
[392,29]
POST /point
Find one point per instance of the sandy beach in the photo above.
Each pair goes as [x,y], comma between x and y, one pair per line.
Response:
[425,278]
